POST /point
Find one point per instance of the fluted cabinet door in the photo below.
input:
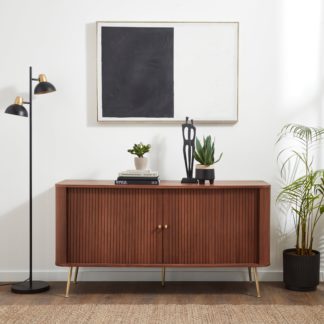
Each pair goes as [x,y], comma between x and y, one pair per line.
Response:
[215,227]
[113,226]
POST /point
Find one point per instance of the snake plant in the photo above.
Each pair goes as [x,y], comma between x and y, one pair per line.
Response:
[204,152]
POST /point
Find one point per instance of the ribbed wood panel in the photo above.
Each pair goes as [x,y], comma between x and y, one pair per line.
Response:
[113,226]
[101,224]
[240,222]
[210,226]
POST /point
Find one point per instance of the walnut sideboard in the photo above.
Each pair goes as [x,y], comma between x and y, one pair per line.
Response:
[100,224]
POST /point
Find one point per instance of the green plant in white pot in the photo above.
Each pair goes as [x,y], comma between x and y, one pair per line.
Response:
[139,150]
[204,154]
[302,194]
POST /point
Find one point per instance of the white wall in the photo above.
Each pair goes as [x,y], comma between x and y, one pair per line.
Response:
[281,80]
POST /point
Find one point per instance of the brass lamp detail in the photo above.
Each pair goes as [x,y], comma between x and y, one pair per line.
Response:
[19,101]
[42,78]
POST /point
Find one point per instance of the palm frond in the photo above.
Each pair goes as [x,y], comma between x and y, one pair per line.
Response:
[303,194]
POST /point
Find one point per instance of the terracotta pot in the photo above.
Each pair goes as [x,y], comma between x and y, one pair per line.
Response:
[301,272]
[140,163]
[204,172]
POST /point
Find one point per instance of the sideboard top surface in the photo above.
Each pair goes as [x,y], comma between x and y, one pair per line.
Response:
[165,184]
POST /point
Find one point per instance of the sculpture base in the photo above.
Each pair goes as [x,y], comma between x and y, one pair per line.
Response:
[189,180]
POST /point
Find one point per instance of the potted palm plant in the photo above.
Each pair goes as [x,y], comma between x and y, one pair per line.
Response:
[204,154]
[139,150]
[302,194]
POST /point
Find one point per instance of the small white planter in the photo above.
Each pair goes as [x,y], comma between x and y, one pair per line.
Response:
[140,163]
[205,167]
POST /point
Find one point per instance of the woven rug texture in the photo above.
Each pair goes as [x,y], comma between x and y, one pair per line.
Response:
[154,314]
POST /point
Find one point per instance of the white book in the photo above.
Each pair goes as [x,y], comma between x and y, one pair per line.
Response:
[138,173]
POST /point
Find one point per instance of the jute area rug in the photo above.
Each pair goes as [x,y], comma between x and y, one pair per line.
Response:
[153,314]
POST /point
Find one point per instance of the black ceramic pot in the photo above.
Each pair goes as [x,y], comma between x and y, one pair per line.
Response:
[205,173]
[301,272]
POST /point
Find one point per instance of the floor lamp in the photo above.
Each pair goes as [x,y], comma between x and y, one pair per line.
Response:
[30,286]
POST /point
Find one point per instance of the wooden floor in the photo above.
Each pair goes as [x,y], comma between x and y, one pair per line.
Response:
[172,293]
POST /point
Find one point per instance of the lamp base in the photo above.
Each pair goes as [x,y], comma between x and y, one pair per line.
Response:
[34,287]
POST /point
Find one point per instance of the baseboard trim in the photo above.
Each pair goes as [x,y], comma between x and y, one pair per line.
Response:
[146,274]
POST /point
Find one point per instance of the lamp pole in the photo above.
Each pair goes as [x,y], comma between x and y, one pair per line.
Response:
[30,103]
[30,177]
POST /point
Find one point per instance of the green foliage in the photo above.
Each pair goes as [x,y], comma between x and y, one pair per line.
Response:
[139,149]
[204,153]
[303,192]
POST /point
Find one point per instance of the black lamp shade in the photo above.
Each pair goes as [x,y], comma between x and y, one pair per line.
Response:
[16,109]
[44,87]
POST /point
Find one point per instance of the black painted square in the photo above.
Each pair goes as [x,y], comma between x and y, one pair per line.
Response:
[137,72]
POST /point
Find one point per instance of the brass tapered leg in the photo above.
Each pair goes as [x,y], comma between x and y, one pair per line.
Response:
[256,278]
[162,276]
[250,275]
[68,282]
[76,274]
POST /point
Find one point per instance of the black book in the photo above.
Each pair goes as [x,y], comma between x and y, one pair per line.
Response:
[138,178]
[137,182]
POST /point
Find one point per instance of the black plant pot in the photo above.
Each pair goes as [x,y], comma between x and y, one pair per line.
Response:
[301,272]
[203,174]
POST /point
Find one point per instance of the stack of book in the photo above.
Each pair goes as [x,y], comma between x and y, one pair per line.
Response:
[144,177]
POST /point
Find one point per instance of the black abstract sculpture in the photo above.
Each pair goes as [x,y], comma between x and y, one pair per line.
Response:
[189,136]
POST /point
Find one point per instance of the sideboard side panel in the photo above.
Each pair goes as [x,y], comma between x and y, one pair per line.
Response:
[61,225]
[264,227]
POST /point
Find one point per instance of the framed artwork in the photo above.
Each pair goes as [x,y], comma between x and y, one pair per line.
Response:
[164,71]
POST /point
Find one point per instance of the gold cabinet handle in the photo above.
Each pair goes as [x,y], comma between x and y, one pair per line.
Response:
[159,226]
[166,226]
